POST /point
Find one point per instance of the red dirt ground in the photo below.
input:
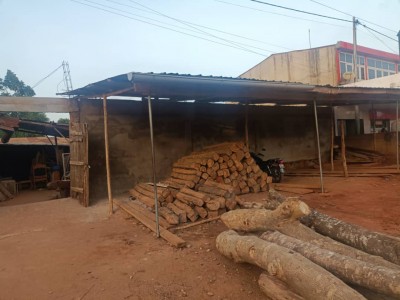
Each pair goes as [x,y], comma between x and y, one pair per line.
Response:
[59,250]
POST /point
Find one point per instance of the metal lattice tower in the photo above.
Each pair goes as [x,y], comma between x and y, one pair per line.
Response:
[67,76]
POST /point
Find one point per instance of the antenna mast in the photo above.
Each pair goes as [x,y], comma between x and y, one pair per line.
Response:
[67,76]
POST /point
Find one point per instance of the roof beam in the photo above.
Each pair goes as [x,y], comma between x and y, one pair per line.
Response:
[38,104]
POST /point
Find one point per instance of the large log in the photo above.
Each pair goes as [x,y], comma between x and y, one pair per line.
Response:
[275,289]
[284,220]
[263,219]
[301,275]
[356,236]
[376,278]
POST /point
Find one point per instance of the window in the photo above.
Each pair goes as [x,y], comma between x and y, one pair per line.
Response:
[378,68]
[346,64]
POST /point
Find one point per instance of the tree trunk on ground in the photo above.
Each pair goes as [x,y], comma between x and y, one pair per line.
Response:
[356,236]
[376,278]
[301,275]
[282,220]
[276,289]
[262,219]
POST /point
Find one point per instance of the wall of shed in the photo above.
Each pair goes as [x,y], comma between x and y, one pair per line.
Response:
[179,128]
[312,66]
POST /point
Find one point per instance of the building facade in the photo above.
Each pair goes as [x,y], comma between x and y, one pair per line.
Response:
[327,65]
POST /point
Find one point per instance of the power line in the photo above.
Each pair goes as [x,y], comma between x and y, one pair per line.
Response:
[198,25]
[43,79]
[167,28]
[377,32]
[237,44]
[301,11]
[186,24]
[343,12]
[373,35]
[279,14]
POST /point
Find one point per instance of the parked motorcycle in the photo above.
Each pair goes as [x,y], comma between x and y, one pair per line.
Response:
[274,167]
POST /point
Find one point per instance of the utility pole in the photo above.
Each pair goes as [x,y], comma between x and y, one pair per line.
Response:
[355,71]
[355,68]
[398,37]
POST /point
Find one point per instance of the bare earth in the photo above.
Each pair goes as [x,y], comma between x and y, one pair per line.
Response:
[59,250]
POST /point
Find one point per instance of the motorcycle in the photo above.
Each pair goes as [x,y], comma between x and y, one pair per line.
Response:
[274,167]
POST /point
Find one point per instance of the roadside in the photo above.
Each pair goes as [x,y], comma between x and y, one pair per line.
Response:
[59,250]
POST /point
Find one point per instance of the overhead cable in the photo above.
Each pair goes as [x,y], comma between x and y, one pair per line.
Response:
[167,28]
[44,78]
[343,12]
[279,14]
[301,11]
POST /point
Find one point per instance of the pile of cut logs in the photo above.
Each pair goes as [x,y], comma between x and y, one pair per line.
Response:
[228,163]
[308,255]
[204,184]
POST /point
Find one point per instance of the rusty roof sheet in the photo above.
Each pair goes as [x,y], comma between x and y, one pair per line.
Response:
[36,141]
[180,87]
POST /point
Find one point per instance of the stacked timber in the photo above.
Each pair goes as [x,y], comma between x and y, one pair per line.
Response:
[341,260]
[204,184]
[179,205]
[227,163]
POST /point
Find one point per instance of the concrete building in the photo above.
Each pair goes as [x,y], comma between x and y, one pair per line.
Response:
[327,65]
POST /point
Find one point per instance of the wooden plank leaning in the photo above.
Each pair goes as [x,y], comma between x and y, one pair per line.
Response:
[171,238]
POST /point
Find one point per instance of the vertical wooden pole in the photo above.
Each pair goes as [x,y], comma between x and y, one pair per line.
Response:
[153,162]
[110,200]
[246,125]
[332,137]
[397,134]
[318,146]
[343,148]
[373,125]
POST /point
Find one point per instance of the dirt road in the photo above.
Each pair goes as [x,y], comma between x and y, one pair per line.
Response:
[59,250]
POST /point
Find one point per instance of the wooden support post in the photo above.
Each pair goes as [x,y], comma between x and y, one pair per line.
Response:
[318,146]
[153,161]
[343,148]
[110,200]
[246,125]
[397,134]
[374,125]
[332,137]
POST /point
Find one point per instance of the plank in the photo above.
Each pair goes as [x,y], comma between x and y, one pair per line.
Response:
[195,223]
[299,191]
[4,190]
[173,239]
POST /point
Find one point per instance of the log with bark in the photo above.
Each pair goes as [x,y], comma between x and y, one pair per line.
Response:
[285,220]
[302,276]
[350,270]
[275,289]
[356,236]
[374,243]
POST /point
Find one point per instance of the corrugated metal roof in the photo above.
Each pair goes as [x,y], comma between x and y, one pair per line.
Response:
[217,89]
[392,81]
[36,141]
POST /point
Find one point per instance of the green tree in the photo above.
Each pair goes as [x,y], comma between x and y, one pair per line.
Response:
[63,121]
[12,86]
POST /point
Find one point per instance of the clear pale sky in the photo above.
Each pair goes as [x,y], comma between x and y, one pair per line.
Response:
[37,35]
